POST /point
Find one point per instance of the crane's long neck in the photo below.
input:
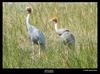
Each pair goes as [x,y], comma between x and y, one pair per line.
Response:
[56,28]
[27,21]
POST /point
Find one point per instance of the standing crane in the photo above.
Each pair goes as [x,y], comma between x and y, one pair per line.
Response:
[66,36]
[35,35]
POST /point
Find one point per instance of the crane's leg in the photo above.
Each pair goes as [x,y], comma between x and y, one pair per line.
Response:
[66,50]
[33,50]
[39,48]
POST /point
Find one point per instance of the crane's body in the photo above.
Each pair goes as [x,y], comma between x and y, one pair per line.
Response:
[64,34]
[35,35]
[67,38]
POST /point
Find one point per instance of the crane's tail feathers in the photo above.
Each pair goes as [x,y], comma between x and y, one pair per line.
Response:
[42,46]
[71,46]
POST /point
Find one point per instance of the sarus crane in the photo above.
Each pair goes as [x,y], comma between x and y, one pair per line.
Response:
[66,36]
[35,35]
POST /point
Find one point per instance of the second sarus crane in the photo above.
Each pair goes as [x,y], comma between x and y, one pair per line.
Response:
[66,36]
[35,35]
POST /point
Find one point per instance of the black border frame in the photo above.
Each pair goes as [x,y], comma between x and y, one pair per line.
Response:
[43,70]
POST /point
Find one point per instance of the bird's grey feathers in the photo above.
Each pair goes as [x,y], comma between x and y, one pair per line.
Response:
[67,37]
[37,36]
[61,31]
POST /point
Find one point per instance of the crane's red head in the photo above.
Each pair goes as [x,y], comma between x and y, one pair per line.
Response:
[29,10]
[54,19]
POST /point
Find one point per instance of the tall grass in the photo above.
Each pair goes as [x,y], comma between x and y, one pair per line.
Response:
[80,18]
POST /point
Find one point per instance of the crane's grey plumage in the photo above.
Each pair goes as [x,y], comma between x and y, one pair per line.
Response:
[65,34]
[35,35]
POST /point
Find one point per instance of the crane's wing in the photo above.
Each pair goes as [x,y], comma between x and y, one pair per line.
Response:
[68,38]
[33,33]
[71,41]
[61,31]
[32,29]
[42,40]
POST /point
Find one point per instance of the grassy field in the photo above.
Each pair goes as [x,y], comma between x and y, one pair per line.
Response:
[80,18]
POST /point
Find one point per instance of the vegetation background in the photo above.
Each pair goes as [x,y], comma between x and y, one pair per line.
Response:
[80,18]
